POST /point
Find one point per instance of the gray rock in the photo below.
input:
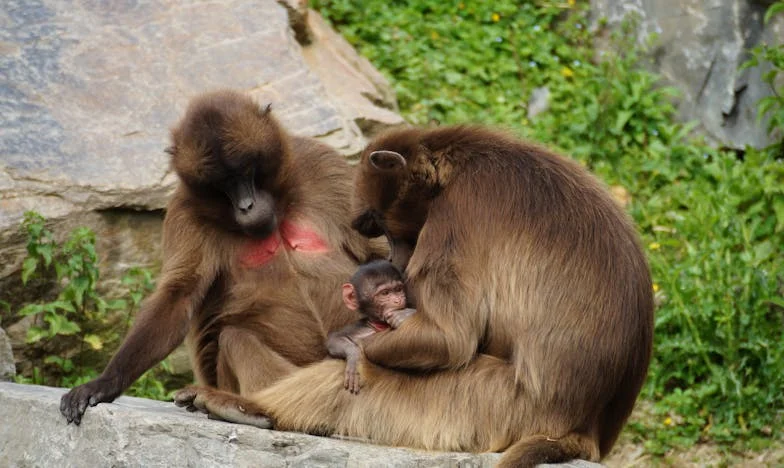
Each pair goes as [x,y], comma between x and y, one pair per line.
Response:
[7,366]
[88,91]
[138,432]
[539,101]
[700,46]
[361,94]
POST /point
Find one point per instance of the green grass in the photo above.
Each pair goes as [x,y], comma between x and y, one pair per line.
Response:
[712,222]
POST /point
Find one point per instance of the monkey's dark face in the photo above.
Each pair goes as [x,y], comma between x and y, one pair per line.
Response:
[369,223]
[388,188]
[253,206]
[230,154]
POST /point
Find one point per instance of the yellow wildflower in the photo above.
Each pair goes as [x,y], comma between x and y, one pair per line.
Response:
[496,17]
[433,35]
[571,2]
[654,246]
[567,72]
[94,341]
[655,287]
[668,421]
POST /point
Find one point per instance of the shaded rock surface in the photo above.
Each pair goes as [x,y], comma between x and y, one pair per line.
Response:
[700,47]
[138,432]
[88,91]
[7,366]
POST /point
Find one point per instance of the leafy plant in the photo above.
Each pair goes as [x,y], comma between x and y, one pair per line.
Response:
[712,223]
[73,330]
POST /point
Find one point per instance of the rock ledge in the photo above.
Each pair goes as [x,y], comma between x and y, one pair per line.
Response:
[139,432]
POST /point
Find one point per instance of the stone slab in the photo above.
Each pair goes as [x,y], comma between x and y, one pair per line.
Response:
[137,432]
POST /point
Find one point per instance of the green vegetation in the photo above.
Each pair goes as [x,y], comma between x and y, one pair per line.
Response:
[76,330]
[712,221]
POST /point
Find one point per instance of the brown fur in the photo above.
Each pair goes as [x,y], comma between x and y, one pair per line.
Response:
[246,327]
[534,319]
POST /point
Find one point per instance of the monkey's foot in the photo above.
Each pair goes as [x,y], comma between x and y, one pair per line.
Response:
[222,405]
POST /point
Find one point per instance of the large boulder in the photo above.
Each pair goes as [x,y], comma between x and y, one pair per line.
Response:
[89,90]
[138,432]
[700,47]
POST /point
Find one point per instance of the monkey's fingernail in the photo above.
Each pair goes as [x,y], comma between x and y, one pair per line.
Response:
[242,409]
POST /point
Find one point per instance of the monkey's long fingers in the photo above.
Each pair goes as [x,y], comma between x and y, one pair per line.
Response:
[74,403]
[347,381]
[354,384]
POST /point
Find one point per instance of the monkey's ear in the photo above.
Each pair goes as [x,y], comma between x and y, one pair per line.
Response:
[387,161]
[350,296]
[170,150]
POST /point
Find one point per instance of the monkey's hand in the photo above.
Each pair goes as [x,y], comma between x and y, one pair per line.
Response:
[74,403]
[395,318]
[351,379]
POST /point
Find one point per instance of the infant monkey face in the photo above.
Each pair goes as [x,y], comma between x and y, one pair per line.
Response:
[389,296]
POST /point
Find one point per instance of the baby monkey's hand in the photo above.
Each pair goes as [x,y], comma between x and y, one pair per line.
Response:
[396,317]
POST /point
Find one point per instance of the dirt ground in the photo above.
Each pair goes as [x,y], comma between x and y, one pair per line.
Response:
[628,453]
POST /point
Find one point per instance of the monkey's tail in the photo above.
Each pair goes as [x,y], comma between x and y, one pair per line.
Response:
[534,450]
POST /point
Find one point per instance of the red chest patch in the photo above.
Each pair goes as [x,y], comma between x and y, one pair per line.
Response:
[258,252]
[378,325]
[301,238]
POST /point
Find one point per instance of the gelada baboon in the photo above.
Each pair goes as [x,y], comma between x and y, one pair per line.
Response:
[377,291]
[534,312]
[257,242]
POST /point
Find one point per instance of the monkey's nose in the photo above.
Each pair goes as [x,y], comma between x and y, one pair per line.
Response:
[245,205]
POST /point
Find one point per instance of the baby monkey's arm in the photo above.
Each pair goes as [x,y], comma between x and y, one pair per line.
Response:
[343,344]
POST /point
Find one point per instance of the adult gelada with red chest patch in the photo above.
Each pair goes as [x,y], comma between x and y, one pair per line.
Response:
[245,187]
